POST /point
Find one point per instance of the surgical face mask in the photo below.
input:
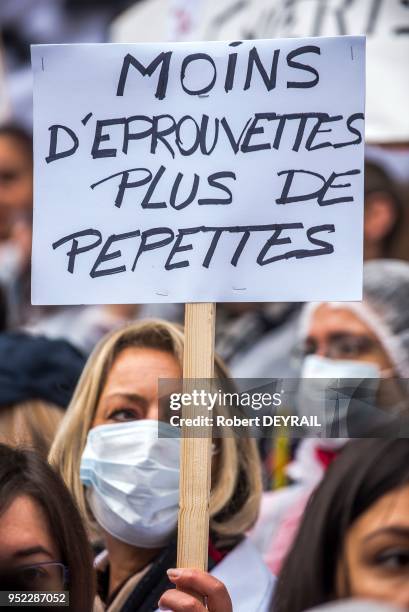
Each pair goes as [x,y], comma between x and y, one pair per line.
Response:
[132,480]
[340,392]
[315,366]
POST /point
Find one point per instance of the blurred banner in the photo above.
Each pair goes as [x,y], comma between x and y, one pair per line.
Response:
[384,22]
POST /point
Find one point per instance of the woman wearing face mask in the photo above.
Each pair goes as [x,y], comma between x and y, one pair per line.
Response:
[367,344]
[364,343]
[44,546]
[361,546]
[125,480]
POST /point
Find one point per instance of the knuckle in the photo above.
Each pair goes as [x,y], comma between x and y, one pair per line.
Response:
[190,606]
[218,588]
[191,574]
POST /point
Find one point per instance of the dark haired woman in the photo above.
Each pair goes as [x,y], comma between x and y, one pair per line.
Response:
[354,538]
[44,546]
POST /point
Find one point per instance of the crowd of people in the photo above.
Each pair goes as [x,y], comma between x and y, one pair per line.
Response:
[89,488]
[89,465]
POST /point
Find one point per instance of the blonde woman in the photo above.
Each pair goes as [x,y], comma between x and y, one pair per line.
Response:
[125,481]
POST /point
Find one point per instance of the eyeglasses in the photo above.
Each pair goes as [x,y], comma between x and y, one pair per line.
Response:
[47,576]
[343,346]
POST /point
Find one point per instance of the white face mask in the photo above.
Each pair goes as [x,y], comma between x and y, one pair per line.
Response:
[320,393]
[315,366]
[132,477]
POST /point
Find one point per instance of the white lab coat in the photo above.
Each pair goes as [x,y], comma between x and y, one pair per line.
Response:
[247,578]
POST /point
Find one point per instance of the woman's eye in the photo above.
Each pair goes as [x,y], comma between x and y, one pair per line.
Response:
[349,349]
[8,176]
[394,559]
[31,574]
[124,414]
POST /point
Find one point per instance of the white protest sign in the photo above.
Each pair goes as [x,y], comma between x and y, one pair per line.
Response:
[198,171]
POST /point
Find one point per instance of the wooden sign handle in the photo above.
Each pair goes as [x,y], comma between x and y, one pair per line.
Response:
[196,452]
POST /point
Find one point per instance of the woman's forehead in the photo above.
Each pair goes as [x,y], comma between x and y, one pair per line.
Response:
[137,366]
[330,318]
[24,526]
[389,511]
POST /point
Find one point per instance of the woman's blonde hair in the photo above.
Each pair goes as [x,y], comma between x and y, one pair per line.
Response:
[236,474]
[31,424]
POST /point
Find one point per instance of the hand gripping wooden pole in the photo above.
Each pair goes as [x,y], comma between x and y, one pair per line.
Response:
[195,459]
